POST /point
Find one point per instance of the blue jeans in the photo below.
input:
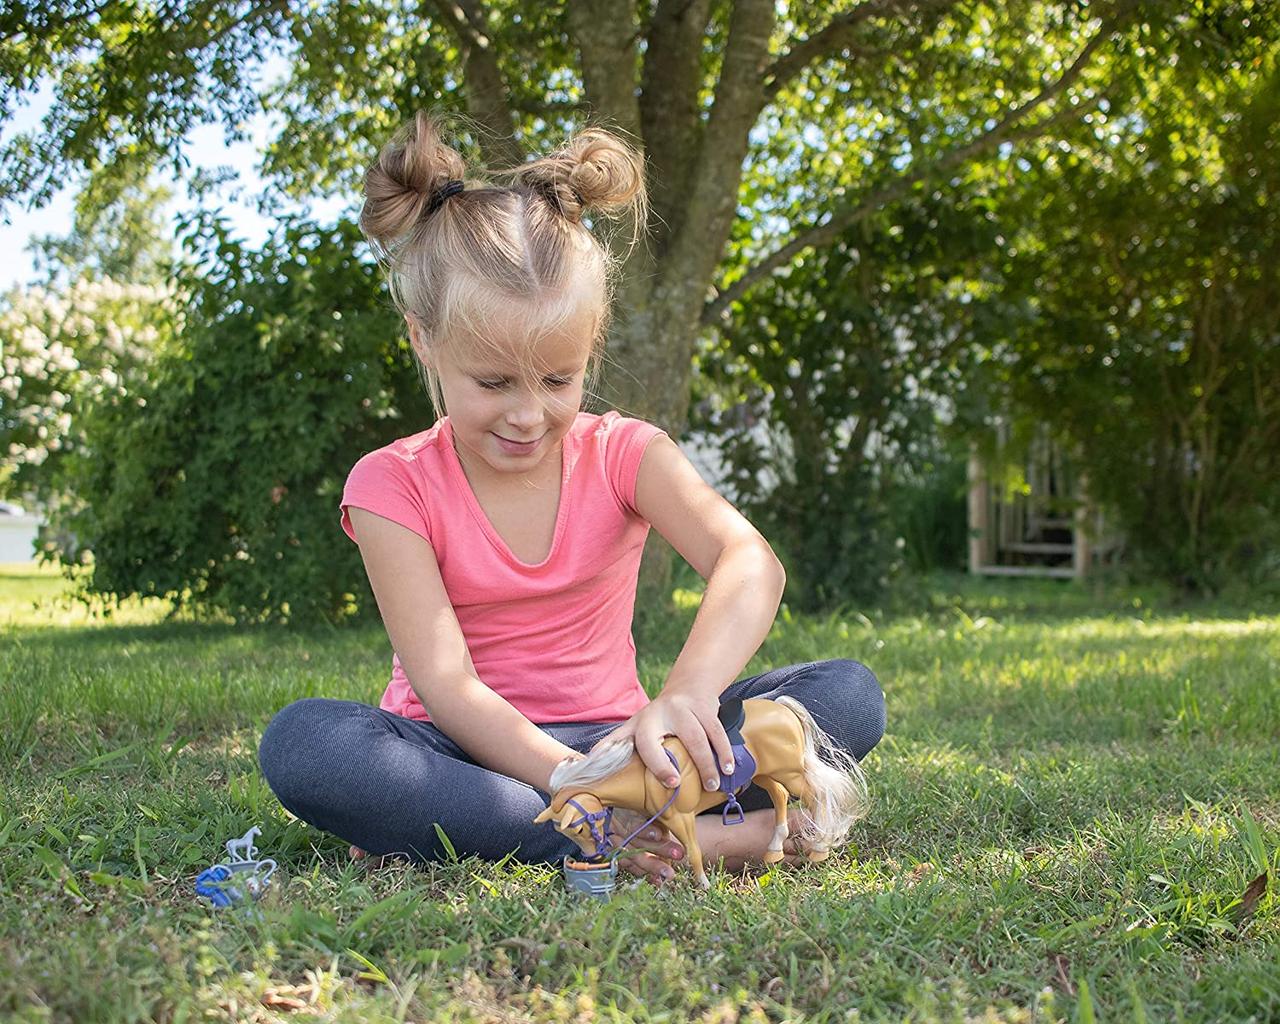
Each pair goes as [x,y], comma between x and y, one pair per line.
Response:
[381,781]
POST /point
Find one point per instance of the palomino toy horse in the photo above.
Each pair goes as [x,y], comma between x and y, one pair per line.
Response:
[776,744]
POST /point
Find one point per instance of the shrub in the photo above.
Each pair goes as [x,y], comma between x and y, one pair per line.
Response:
[216,481]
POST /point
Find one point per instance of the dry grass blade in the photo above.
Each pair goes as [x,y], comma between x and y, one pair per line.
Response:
[1249,902]
[1062,967]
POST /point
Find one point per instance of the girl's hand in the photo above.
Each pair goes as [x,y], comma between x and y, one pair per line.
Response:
[651,853]
[691,719]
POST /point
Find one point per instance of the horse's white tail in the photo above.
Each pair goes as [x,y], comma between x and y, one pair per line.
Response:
[837,786]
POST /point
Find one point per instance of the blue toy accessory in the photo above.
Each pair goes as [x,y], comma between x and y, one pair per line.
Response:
[242,878]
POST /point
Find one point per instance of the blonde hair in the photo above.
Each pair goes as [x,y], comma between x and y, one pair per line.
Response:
[452,262]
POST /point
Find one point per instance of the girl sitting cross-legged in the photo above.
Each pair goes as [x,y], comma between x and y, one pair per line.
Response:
[503,542]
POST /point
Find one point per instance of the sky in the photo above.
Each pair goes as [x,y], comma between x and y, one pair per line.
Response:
[205,147]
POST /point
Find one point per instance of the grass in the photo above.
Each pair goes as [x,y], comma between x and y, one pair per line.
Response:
[1075,791]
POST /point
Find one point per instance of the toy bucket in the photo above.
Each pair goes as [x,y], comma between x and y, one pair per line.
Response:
[598,880]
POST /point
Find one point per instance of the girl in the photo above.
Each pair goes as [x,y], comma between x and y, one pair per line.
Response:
[503,543]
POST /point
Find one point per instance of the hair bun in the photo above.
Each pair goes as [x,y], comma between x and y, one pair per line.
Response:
[402,182]
[594,171]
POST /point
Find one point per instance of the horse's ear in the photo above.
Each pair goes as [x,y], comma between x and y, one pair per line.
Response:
[566,816]
[546,815]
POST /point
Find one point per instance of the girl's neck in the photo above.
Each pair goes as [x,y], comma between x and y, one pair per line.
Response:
[547,473]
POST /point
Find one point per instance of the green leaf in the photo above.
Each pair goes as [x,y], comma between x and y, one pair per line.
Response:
[449,955]
[53,864]
[450,853]
[1084,1004]
[372,972]
[1251,837]
[384,907]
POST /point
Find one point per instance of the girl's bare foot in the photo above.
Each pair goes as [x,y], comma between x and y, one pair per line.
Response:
[375,862]
[747,842]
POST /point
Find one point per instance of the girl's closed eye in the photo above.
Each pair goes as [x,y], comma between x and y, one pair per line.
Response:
[555,382]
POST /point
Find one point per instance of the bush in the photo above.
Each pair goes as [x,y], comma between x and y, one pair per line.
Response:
[828,395]
[1151,340]
[216,482]
[60,348]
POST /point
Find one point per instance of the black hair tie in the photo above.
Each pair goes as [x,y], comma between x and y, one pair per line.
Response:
[449,188]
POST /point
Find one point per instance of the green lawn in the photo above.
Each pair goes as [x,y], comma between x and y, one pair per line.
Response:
[1060,831]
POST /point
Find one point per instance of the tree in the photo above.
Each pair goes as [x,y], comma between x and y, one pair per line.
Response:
[124,239]
[691,80]
[1137,307]
[214,483]
[829,392]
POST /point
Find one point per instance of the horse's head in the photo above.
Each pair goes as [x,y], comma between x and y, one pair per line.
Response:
[571,822]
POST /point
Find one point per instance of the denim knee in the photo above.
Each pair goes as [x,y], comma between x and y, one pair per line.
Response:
[857,704]
[287,737]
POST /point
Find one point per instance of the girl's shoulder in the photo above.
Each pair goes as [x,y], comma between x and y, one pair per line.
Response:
[610,423]
[619,443]
[409,448]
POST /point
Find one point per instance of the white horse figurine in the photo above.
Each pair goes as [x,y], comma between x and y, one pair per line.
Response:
[242,849]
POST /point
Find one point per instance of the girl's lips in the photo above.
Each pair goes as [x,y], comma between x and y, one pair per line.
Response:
[517,447]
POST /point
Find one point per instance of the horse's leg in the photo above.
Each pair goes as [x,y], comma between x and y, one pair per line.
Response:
[795,784]
[816,850]
[778,793]
[682,827]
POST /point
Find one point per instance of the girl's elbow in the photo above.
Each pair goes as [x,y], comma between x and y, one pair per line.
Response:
[776,567]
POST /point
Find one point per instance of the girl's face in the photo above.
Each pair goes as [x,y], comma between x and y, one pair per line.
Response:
[511,399]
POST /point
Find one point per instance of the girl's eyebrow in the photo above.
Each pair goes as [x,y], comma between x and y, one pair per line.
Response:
[491,374]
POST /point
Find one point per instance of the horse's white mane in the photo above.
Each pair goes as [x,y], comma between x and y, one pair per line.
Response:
[595,766]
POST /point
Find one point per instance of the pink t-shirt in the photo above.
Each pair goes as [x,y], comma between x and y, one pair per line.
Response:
[554,639]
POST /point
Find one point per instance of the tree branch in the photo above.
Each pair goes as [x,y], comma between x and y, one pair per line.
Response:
[837,35]
[713,193]
[1005,130]
[605,31]
[670,117]
[488,99]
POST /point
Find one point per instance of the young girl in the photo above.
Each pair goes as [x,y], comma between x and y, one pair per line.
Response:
[503,543]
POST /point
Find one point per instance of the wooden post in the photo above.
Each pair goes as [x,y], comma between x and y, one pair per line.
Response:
[979,526]
[1080,553]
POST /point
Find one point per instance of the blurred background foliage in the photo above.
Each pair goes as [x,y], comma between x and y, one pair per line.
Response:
[184,406]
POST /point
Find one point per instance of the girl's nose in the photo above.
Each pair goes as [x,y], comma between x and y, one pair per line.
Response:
[527,414]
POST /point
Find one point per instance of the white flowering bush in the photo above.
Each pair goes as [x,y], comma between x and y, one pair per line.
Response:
[61,351]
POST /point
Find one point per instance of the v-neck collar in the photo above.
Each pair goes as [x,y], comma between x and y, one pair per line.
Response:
[482,518]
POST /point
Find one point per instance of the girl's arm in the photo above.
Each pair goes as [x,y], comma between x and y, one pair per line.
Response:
[745,582]
[424,632]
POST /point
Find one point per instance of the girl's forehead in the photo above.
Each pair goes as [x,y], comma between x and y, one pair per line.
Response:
[511,343]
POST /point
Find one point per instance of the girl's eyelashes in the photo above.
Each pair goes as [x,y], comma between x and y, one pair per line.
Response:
[555,382]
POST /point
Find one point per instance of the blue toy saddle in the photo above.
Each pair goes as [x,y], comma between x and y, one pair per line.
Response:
[732,716]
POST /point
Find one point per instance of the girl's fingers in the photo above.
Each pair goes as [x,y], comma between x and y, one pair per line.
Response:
[654,756]
[647,866]
[653,838]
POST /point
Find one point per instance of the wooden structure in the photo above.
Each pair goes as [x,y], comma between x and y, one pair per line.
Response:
[1046,527]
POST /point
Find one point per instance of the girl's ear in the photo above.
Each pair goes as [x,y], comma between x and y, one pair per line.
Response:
[417,340]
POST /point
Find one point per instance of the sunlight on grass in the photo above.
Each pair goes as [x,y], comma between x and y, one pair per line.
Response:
[1064,798]
[39,595]
[1171,629]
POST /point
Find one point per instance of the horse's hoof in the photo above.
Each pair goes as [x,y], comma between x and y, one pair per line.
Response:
[704,882]
[818,856]
[772,857]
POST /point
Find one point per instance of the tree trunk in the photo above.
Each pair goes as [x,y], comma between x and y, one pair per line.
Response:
[648,373]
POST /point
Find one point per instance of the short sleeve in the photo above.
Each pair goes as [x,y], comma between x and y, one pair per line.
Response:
[385,482]
[625,442]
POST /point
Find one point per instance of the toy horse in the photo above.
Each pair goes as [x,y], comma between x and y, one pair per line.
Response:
[776,744]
